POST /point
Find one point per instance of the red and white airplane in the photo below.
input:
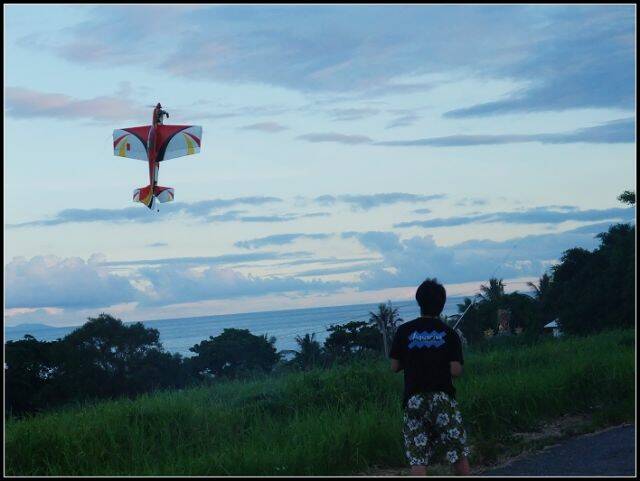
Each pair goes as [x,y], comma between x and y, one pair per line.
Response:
[153,144]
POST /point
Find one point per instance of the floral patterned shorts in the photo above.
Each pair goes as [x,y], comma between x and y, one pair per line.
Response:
[433,429]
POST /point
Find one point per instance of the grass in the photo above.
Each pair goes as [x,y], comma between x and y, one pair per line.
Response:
[342,420]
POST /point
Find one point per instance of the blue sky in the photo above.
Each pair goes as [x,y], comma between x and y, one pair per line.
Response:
[348,152]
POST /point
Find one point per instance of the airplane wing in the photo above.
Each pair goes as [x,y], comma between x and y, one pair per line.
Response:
[131,142]
[178,140]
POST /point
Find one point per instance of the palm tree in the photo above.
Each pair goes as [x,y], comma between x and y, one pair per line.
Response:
[310,352]
[386,319]
[494,292]
[542,288]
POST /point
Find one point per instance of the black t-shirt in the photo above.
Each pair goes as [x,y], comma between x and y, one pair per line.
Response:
[425,347]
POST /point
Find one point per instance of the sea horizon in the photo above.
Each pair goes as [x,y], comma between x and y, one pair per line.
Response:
[179,334]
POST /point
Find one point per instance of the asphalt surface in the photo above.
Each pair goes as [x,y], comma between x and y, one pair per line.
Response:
[607,453]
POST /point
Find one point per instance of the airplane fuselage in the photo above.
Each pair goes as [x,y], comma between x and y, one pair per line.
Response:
[152,153]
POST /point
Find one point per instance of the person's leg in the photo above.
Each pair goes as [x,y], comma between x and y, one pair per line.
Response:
[451,437]
[415,437]
[461,467]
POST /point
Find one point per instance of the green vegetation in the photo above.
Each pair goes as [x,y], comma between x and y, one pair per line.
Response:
[106,359]
[234,353]
[340,420]
[587,291]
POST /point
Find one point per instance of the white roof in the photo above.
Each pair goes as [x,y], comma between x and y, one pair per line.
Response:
[553,323]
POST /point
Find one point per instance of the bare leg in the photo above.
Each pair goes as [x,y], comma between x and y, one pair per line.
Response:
[418,470]
[461,468]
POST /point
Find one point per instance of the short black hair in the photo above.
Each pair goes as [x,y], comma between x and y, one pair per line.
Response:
[431,297]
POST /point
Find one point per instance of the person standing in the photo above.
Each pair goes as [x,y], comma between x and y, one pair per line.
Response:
[430,354]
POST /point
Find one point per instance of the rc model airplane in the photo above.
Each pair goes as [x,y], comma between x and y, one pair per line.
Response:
[153,144]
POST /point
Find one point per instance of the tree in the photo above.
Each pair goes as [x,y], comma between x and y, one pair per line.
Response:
[628,197]
[480,317]
[102,359]
[233,353]
[523,310]
[28,367]
[545,312]
[351,338]
[493,293]
[386,320]
[491,299]
[541,289]
[309,354]
[592,291]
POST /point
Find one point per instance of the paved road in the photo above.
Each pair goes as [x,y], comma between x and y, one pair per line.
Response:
[607,453]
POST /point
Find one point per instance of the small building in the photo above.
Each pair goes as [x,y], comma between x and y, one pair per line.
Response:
[554,327]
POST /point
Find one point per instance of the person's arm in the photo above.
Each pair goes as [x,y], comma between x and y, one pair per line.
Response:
[395,353]
[456,368]
[396,365]
[455,355]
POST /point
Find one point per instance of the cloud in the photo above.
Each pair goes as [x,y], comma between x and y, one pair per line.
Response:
[207,110]
[403,121]
[393,88]
[594,229]
[337,270]
[48,281]
[353,113]
[561,58]
[23,103]
[335,137]
[537,215]
[577,52]
[234,216]
[325,261]
[278,240]
[612,132]
[407,262]
[268,127]
[369,201]
[225,259]
[616,131]
[157,244]
[199,210]
[173,285]
[466,201]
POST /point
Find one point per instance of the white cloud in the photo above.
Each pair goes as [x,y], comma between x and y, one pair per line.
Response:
[175,284]
[49,281]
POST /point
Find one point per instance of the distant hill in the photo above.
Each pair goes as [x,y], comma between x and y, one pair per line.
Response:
[32,327]
[43,332]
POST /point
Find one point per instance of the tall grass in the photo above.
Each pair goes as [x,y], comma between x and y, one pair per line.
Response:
[336,421]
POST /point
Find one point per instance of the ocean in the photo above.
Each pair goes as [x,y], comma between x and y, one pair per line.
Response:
[178,335]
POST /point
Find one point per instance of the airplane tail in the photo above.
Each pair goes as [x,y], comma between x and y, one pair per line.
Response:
[163,194]
[146,195]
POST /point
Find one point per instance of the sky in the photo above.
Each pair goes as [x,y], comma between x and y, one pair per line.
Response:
[348,152]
